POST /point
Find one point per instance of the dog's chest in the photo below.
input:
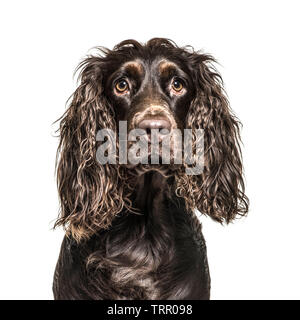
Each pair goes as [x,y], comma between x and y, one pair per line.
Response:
[155,274]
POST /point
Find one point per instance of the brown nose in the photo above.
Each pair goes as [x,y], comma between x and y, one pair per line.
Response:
[148,124]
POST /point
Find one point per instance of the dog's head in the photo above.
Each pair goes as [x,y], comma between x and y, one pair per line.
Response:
[153,86]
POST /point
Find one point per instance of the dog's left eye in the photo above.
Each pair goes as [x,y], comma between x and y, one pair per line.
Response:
[177,85]
[122,86]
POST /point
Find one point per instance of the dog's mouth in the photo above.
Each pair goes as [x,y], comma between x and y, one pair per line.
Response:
[154,156]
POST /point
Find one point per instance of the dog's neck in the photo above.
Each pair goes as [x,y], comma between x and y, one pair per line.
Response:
[152,194]
[152,198]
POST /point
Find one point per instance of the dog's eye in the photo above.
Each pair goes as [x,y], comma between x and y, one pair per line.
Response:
[177,85]
[122,86]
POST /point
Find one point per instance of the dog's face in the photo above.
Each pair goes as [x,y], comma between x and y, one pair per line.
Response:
[153,93]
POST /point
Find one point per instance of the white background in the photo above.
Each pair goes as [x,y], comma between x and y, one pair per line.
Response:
[257,45]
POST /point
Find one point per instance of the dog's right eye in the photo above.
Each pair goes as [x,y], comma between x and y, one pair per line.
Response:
[121,86]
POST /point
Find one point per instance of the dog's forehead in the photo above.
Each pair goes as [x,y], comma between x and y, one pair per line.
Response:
[141,66]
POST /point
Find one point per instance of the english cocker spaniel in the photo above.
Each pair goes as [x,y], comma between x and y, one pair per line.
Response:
[131,227]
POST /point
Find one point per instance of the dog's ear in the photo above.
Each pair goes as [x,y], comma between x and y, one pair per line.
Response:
[89,193]
[221,194]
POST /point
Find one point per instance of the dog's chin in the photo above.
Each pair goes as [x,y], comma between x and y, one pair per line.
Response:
[165,170]
[142,168]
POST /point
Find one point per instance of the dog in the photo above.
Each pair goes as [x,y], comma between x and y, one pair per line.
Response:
[131,229]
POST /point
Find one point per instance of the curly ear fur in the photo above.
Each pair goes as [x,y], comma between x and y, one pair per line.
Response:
[219,191]
[90,193]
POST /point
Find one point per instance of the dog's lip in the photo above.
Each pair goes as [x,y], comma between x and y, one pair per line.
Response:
[160,132]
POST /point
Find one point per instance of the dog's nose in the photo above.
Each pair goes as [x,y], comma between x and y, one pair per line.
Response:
[148,124]
[162,126]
